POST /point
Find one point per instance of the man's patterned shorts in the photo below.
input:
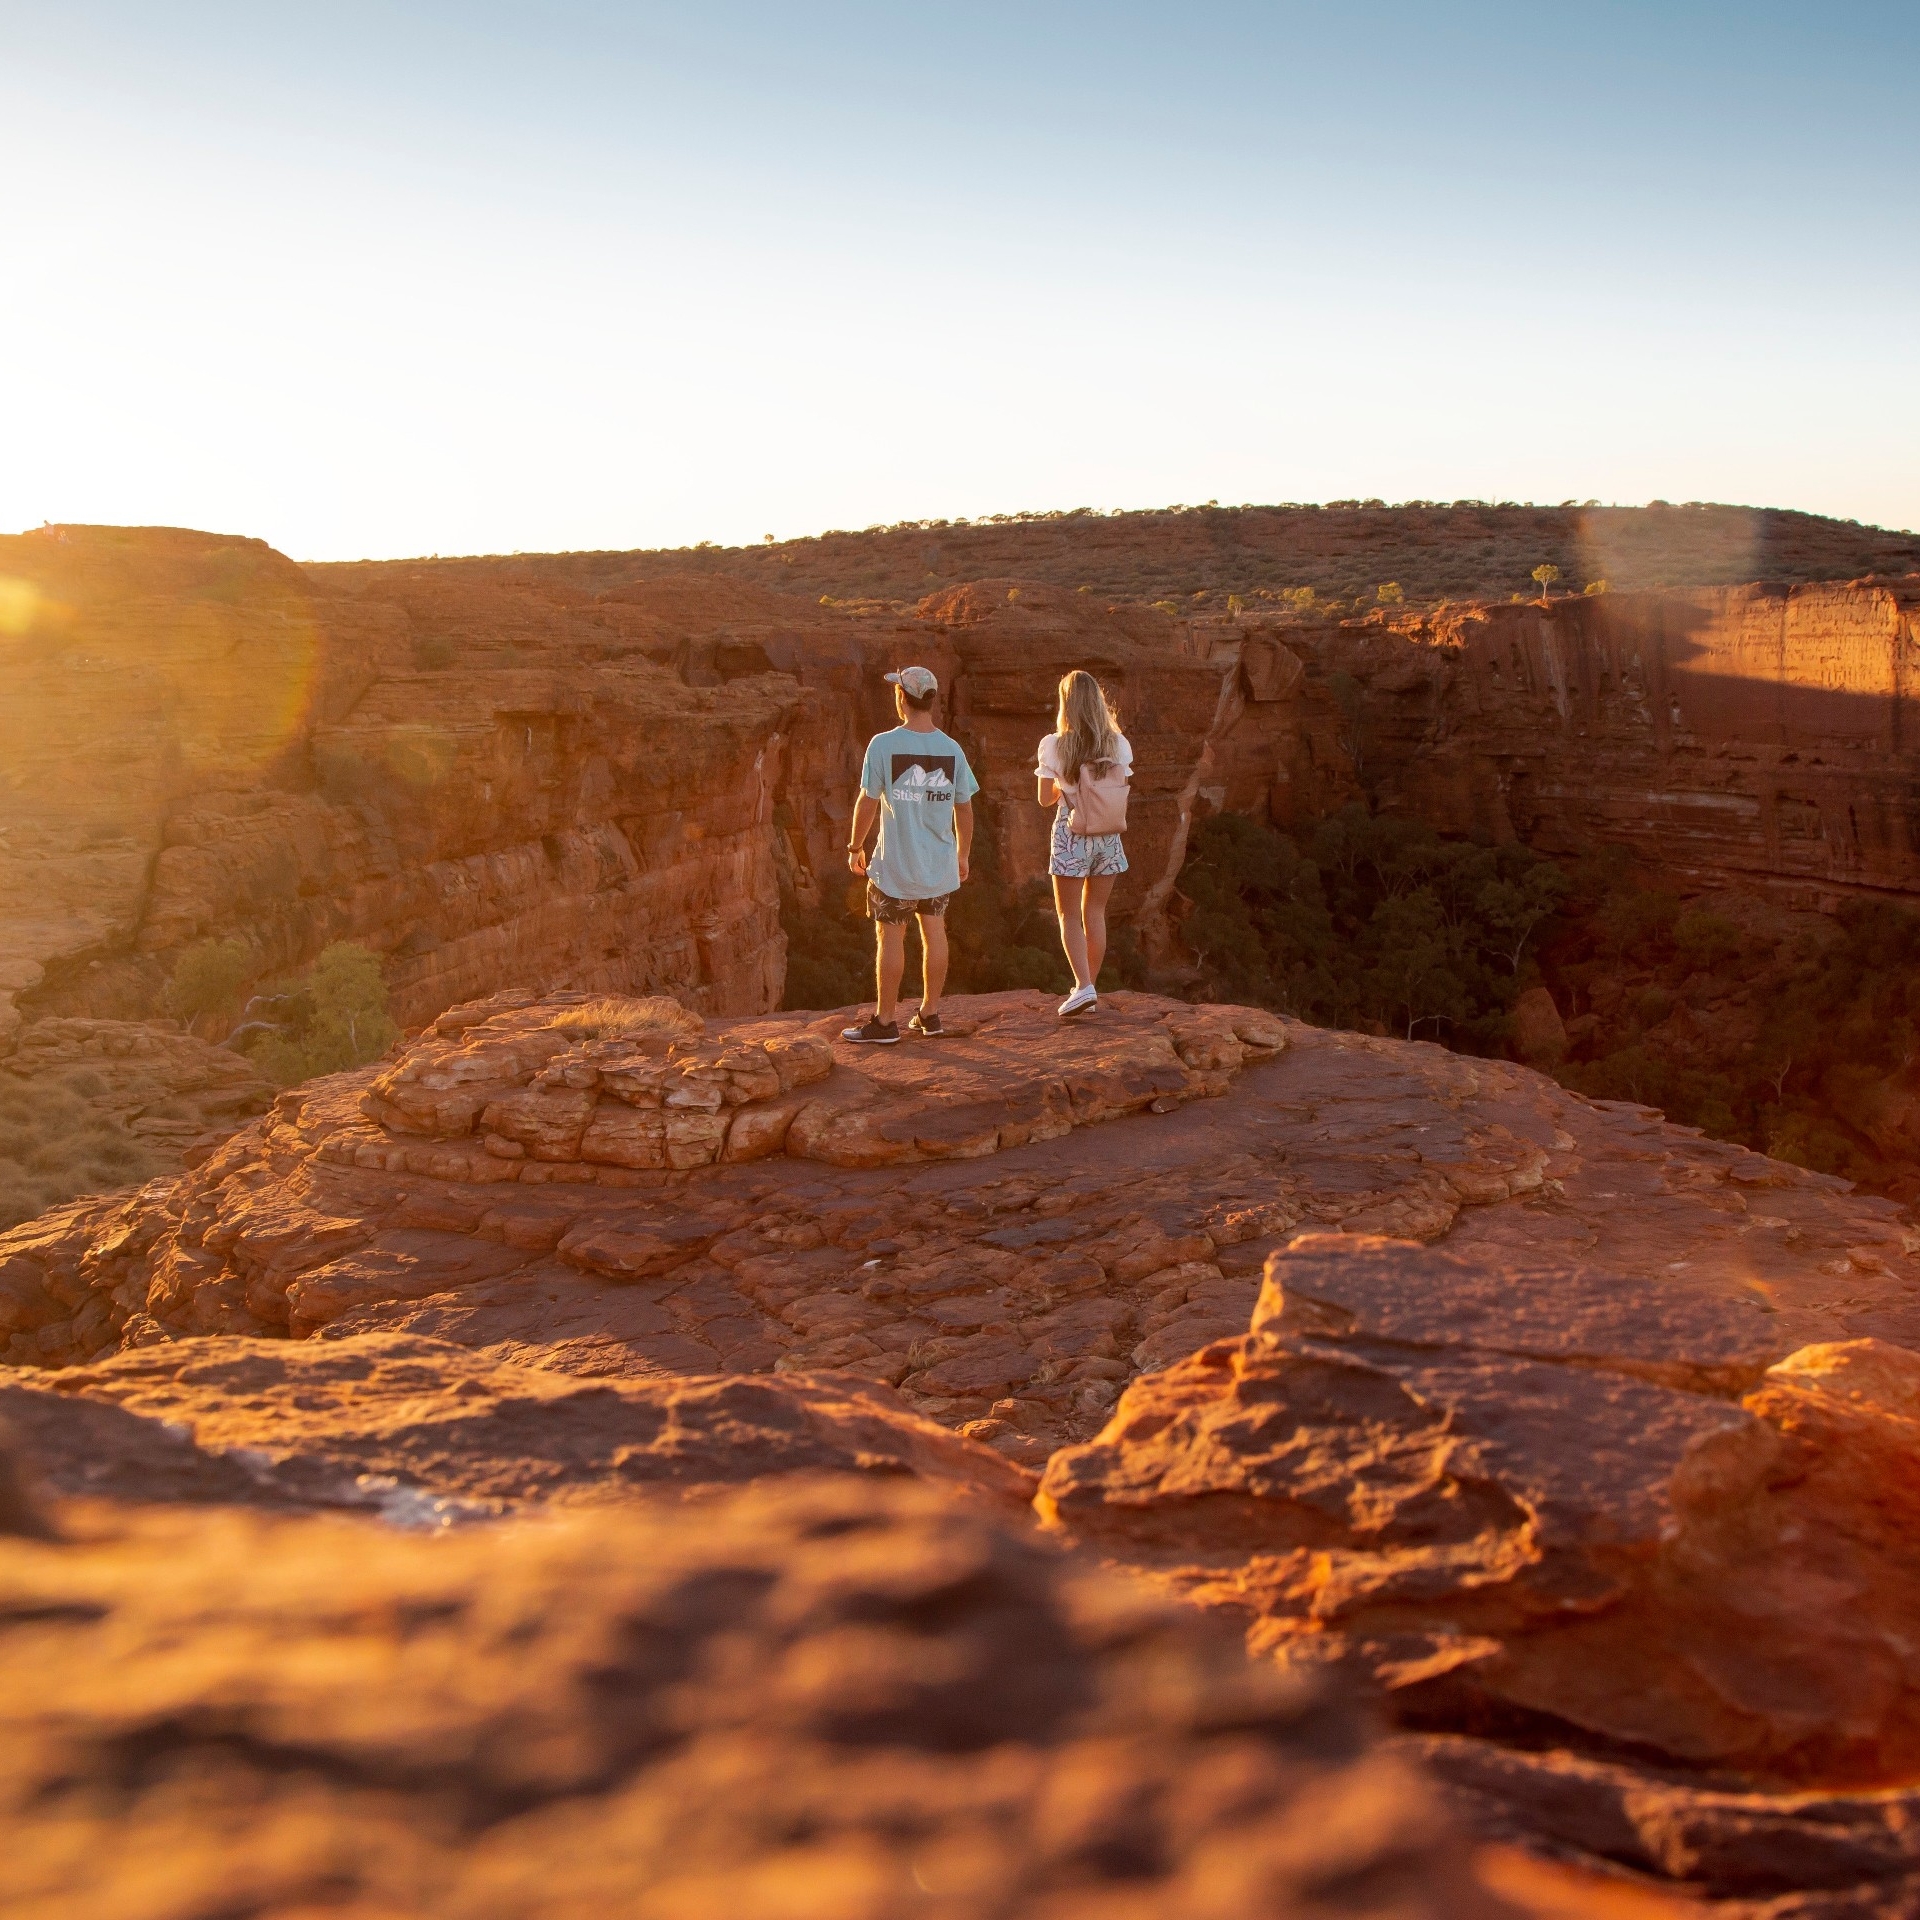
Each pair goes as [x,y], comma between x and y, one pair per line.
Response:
[891,912]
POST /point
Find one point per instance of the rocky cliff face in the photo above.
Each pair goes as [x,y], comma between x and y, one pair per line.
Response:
[1757,738]
[496,779]
[199,741]
[1581,1445]
[1538,1498]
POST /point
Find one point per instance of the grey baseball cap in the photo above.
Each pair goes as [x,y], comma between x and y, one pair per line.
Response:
[918,681]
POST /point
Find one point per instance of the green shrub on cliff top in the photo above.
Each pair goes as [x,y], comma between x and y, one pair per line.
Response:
[1706,941]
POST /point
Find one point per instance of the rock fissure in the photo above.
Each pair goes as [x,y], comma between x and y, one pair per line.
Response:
[1151,917]
[1718,1383]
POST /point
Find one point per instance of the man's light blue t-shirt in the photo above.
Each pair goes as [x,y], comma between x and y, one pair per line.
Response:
[918,778]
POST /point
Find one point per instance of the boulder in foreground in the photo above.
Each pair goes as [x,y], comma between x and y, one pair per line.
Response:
[826,1700]
[1550,1505]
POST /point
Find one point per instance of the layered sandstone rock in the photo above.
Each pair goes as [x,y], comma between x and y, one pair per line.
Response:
[1604,1490]
[1722,729]
[495,779]
[1642,1590]
[619,1195]
[828,1700]
[495,776]
[1620,1470]
[513,1078]
[1550,1499]
[169,1089]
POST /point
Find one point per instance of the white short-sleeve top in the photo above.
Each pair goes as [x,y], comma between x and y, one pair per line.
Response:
[1049,764]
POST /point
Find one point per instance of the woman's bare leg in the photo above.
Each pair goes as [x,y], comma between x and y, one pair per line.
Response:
[1067,898]
[1094,915]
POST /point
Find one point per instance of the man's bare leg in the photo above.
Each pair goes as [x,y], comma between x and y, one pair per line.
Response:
[1094,916]
[889,963]
[933,960]
[1067,898]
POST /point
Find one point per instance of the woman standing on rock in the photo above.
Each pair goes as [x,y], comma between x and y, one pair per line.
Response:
[1084,766]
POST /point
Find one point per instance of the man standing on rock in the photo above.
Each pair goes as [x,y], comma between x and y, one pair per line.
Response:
[917,784]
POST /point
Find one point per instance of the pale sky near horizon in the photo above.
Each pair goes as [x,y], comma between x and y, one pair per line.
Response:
[379,280]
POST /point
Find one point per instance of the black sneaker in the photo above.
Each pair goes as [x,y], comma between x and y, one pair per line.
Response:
[876,1033]
[926,1024]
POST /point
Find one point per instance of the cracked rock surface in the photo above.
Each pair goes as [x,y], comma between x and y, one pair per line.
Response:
[993,1266]
[399,1423]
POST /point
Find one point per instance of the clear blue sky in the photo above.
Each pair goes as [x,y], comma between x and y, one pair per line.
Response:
[406,279]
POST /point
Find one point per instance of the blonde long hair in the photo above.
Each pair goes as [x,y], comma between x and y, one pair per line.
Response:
[1088,728]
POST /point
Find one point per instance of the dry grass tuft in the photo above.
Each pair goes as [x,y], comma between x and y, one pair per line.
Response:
[56,1145]
[617,1018]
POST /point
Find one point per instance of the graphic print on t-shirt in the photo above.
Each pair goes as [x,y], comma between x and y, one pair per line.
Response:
[923,777]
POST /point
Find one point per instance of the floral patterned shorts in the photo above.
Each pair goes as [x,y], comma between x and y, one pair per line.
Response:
[1084,856]
[891,912]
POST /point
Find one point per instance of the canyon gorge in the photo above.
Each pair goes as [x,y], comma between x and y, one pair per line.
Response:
[492,775]
[854,1476]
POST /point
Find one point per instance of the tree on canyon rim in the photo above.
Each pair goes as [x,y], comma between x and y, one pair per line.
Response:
[334,1017]
[206,981]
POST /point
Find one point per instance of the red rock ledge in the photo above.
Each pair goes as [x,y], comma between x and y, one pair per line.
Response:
[529,1089]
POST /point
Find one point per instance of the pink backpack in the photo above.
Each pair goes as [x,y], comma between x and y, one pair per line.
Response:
[1098,800]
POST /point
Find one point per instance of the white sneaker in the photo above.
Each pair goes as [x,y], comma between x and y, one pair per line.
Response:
[1078,1001]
